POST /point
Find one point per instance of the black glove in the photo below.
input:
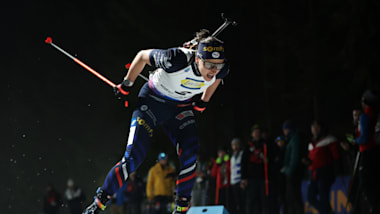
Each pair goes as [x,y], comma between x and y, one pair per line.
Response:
[200,106]
[122,91]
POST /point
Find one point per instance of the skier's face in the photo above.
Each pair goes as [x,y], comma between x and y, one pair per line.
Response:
[209,68]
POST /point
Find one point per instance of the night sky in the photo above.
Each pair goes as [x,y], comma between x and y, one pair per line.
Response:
[291,59]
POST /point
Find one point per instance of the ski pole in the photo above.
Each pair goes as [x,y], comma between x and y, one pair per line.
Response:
[224,25]
[128,65]
[50,42]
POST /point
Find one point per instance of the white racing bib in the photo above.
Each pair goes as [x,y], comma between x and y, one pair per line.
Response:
[180,85]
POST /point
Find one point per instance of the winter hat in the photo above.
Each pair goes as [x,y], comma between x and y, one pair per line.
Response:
[210,48]
[162,156]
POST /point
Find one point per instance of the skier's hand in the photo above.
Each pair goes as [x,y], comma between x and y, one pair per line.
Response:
[122,91]
[200,106]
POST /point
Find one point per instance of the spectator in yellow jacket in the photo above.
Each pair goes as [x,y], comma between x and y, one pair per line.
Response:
[160,185]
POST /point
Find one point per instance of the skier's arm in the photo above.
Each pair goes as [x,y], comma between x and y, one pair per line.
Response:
[206,96]
[138,64]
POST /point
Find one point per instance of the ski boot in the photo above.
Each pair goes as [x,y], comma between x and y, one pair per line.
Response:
[182,205]
[99,204]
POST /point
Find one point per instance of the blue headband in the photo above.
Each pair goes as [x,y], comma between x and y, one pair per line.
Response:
[211,50]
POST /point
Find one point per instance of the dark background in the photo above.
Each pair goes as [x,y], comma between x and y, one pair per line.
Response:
[290,59]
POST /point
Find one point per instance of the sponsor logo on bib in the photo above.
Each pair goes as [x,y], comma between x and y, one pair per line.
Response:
[192,83]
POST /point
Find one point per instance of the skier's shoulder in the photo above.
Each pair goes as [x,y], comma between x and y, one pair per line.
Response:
[171,59]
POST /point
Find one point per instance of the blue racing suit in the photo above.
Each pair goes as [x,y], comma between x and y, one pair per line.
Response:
[165,101]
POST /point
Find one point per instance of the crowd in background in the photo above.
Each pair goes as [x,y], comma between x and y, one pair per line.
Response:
[73,199]
[263,175]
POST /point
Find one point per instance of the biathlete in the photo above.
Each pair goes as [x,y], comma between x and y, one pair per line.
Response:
[166,100]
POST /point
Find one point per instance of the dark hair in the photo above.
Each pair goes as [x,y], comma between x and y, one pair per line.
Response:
[201,34]
[210,39]
[198,36]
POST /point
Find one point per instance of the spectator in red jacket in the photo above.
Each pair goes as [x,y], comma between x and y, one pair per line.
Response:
[52,200]
[253,173]
[221,170]
[323,151]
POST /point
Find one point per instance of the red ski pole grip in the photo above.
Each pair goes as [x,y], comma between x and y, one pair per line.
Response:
[48,40]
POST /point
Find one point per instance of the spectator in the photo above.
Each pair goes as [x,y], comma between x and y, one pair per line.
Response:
[368,177]
[129,197]
[160,185]
[292,169]
[133,194]
[210,198]
[199,194]
[117,202]
[253,173]
[323,152]
[74,197]
[352,156]
[271,152]
[221,171]
[350,138]
[52,200]
[278,181]
[235,190]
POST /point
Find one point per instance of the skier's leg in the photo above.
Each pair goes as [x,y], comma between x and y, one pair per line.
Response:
[183,134]
[140,133]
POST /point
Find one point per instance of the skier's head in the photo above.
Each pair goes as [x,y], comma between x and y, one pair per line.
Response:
[210,57]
